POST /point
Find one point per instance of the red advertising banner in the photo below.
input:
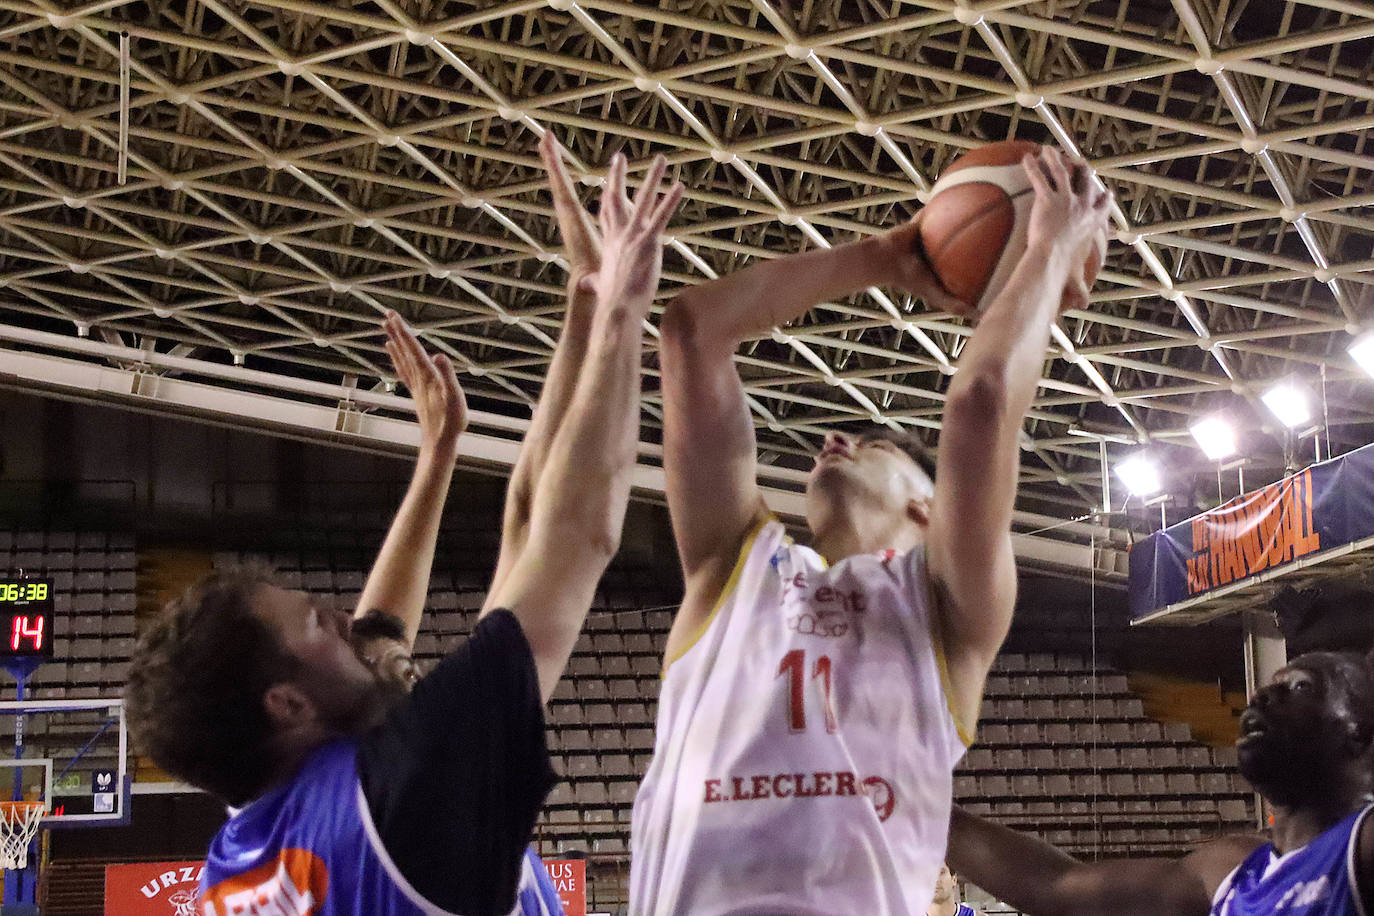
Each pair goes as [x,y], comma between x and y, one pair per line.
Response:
[152,889]
[570,879]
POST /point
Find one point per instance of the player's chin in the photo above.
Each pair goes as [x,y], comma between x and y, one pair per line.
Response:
[831,477]
[1269,765]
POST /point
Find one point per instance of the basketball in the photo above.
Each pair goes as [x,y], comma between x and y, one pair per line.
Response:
[974,228]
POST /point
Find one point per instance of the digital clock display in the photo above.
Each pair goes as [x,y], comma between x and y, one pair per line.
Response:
[26,611]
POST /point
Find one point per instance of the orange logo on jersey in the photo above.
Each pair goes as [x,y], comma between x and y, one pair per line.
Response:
[293,884]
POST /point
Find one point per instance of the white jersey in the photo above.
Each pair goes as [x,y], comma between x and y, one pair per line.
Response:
[805,748]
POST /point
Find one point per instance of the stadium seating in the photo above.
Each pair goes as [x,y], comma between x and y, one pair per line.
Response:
[1062,749]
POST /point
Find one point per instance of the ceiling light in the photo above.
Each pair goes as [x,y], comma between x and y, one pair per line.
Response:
[1289,402]
[1216,436]
[1140,474]
[1362,351]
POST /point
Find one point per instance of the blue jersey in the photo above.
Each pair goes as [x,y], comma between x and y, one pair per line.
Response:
[965,910]
[270,859]
[1316,880]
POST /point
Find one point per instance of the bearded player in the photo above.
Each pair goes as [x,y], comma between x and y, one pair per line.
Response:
[354,796]
[1307,746]
[816,699]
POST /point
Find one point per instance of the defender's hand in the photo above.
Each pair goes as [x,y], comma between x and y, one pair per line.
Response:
[631,232]
[581,242]
[440,405]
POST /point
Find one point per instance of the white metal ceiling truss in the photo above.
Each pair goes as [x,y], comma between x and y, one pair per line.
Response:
[295,168]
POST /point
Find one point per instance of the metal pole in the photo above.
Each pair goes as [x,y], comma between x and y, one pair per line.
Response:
[1106,477]
[1265,653]
[122,169]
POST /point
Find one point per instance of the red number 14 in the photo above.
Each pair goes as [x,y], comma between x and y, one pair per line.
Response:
[794,666]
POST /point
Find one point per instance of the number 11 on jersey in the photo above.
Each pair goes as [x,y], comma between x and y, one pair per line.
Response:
[794,666]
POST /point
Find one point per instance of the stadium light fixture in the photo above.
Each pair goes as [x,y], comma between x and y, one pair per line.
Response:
[1216,436]
[1289,402]
[1140,474]
[1362,352]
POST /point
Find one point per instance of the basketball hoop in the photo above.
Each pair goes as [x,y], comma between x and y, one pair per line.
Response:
[19,822]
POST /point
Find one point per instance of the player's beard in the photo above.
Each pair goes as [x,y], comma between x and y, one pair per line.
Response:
[364,705]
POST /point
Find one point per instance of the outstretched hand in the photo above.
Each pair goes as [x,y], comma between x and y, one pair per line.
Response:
[1069,213]
[631,236]
[440,405]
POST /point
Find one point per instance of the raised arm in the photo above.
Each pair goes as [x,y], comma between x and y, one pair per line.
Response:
[708,436]
[582,248]
[399,579]
[579,500]
[969,548]
[1039,880]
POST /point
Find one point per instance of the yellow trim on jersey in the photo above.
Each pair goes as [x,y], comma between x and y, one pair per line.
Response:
[937,643]
[730,584]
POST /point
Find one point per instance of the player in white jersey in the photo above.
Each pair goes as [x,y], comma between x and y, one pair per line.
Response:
[816,699]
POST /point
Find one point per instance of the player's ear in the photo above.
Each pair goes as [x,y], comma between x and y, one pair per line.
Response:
[287,705]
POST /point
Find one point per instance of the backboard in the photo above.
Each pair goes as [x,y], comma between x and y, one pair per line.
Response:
[73,754]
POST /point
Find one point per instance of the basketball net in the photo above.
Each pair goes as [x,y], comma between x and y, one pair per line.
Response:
[19,822]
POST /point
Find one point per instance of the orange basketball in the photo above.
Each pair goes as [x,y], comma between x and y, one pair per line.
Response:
[974,228]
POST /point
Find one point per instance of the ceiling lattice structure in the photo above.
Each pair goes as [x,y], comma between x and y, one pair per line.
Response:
[294,168]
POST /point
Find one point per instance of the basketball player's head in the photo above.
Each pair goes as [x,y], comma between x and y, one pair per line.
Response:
[1308,736]
[239,677]
[946,886]
[880,476]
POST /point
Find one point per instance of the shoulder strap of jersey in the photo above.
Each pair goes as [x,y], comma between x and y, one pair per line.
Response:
[746,549]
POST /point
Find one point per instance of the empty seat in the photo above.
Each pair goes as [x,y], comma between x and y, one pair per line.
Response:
[617,766]
[623,792]
[582,766]
[1121,783]
[1164,757]
[1183,784]
[979,758]
[1153,784]
[615,665]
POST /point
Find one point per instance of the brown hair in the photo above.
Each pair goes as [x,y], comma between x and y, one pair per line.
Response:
[196,687]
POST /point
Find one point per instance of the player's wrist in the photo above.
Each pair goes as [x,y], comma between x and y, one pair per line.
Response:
[437,457]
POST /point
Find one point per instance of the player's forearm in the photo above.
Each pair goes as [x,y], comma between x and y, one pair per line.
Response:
[548,416]
[580,499]
[751,302]
[1006,354]
[399,580]
[1018,869]
[585,484]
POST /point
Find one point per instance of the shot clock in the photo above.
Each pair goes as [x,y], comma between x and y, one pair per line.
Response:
[26,612]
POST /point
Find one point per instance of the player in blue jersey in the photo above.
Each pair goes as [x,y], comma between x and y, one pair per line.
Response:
[946,900]
[1307,745]
[354,797]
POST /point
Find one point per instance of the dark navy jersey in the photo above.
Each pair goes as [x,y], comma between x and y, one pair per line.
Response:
[1316,880]
[426,815]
